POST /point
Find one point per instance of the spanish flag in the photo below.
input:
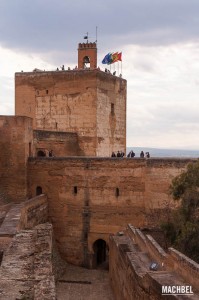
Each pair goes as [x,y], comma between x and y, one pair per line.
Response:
[117,56]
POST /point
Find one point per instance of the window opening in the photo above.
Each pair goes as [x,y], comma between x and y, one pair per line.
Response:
[112,109]
[86,62]
[30,152]
[38,190]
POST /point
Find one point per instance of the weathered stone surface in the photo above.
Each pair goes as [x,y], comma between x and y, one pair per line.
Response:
[90,103]
[26,270]
[15,146]
[130,258]
[83,202]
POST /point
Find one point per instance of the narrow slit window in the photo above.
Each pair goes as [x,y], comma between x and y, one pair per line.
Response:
[117,192]
[112,109]
[38,190]
[75,190]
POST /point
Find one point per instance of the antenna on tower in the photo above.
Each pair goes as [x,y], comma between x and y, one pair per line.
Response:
[96,35]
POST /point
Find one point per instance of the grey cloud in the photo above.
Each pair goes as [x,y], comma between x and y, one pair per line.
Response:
[164,119]
[40,26]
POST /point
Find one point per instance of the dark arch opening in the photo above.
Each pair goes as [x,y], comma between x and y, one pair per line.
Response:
[100,250]
[41,153]
[86,62]
[38,190]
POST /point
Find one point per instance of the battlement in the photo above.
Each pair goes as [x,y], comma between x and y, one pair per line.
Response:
[87,45]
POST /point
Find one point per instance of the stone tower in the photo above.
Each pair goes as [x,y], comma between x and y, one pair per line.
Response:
[85,101]
[87,56]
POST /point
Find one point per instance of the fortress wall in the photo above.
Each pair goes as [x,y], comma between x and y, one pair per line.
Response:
[185,266]
[128,280]
[61,143]
[77,101]
[111,114]
[60,101]
[34,212]
[129,267]
[147,243]
[89,198]
[15,147]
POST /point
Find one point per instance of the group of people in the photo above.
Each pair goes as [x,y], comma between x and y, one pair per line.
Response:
[62,68]
[118,154]
[130,154]
[147,154]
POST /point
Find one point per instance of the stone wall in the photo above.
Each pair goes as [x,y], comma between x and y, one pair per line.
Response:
[78,101]
[27,266]
[90,198]
[111,114]
[60,143]
[131,254]
[34,212]
[15,147]
[28,258]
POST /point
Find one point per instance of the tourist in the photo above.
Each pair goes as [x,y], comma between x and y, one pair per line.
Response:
[147,155]
[118,154]
[51,153]
[113,154]
[142,154]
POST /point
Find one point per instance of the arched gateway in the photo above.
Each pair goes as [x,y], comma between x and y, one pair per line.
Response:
[100,249]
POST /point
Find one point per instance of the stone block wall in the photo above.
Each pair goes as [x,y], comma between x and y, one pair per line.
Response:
[90,198]
[185,266]
[111,114]
[60,143]
[131,254]
[16,143]
[27,266]
[34,212]
[90,103]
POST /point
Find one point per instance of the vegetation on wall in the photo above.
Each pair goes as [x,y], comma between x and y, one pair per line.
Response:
[182,230]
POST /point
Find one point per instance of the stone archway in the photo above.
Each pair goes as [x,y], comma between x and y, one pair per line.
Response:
[41,153]
[100,249]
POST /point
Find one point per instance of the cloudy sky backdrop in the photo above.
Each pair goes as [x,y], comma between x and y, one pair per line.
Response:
[160,45]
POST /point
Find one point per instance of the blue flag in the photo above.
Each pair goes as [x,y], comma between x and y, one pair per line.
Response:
[107,59]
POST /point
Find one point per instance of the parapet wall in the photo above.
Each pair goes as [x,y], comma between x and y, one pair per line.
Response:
[173,260]
[131,254]
[15,147]
[27,252]
[34,212]
[184,266]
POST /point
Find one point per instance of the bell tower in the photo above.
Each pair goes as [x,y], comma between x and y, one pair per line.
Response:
[87,56]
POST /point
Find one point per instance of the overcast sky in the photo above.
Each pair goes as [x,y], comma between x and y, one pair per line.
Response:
[159,40]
